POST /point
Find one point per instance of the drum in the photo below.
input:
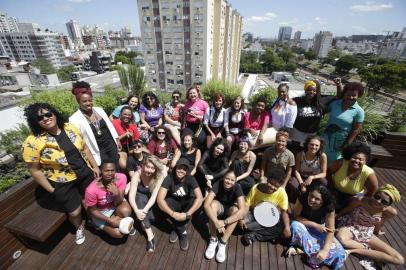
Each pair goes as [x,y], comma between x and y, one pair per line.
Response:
[126,225]
[266,214]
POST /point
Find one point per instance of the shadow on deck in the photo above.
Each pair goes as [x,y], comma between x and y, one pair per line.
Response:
[101,253]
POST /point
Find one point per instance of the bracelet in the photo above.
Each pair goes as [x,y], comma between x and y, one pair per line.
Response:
[187,215]
[225,222]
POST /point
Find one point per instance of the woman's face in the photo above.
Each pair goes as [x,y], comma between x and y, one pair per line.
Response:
[351,96]
[175,98]
[314,199]
[358,160]
[218,150]
[126,116]
[237,104]
[272,186]
[310,92]
[161,134]
[313,146]
[181,171]
[138,148]
[133,102]
[150,100]
[193,95]
[283,93]
[108,172]
[243,146]
[229,180]
[46,119]
[218,103]
[260,107]
[187,142]
[148,169]
[281,142]
[381,200]
[86,102]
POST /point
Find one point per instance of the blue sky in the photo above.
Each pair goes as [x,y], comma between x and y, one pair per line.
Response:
[261,17]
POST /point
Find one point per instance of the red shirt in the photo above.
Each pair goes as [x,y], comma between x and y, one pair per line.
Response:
[121,129]
[258,123]
[161,152]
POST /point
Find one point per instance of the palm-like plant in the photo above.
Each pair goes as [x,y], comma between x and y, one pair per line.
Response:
[132,79]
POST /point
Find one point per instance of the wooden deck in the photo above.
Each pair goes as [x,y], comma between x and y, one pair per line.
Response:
[99,252]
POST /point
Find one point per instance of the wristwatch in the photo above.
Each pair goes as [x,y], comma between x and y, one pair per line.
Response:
[187,215]
[225,222]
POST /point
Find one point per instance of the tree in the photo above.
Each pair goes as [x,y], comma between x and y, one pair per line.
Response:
[345,64]
[291,67]
[122,58]
[271,61]
[64,73]
[132,79]
[44,66]
[331,57]
[216,86]
[310,55]
[286,55]
[390,77]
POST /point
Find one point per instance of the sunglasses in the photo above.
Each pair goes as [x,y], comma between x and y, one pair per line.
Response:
[150,98]
[42,116]
[177,97]
[161,132]
[378,198]
[137,145]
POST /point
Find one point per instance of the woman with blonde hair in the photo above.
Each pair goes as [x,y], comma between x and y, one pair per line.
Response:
[144,187]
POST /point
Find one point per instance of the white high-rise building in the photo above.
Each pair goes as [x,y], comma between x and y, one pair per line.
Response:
[285,32]
[74,32]
[7,24]
[297,35]
[189,42]
[322,43]
[394,45]
[31,45]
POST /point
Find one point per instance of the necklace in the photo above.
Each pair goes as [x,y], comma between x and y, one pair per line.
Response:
[95,122]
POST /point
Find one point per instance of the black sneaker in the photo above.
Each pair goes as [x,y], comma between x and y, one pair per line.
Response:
[246,239]
[184,243]
[151,245]
[173,237]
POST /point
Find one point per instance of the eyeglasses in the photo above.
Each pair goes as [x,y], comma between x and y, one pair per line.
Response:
[42,116]
[378,198]
[177,97]
[161,132]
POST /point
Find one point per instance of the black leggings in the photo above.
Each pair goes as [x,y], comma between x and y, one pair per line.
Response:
[181,206]
[141,200]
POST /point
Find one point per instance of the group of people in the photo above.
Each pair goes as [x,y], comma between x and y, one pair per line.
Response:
[184,158]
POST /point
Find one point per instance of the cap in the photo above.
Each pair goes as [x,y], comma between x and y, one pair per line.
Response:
[184,162]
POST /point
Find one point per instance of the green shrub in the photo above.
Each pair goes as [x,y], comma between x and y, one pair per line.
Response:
[269,93]
[110,99]
[215,86]
[402,129]
[398,117]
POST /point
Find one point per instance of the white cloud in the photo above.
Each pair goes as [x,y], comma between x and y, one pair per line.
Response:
[370,6]
[79,1]
[291,22]
[321,21]
[269,16]
[359,28]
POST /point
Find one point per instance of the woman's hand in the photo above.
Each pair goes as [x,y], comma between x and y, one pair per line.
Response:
[111,187]
[140,214]
[179,216]
[308,181]
[193,172]
[323,229]
[96,172]
[322,255]
[242,224]
[114,221]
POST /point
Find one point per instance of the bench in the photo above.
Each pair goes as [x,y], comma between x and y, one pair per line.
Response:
[391,153]
[36,222]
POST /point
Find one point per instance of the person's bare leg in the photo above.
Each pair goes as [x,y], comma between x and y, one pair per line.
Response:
[230,228]
[212,227]
[175,134]
[381,252]
[122,162]
[123,210]
[113,232]
[75,217]
[345,237]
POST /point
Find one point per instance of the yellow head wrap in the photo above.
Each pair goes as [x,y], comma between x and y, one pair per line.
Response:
[309,84]
[393,192]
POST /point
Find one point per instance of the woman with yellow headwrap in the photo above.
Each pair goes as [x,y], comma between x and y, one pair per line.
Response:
[361,219]
[310,110]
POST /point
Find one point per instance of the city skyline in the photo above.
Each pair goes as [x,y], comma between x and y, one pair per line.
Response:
[261,19]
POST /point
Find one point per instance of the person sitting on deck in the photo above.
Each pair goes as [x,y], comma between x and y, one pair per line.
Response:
[278,156]
[313,229]
[144,187]
[225,200]
[357,227]
[104,198]
[179,197]
[271,191]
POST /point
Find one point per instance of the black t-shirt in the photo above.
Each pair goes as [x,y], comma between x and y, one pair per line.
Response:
[226,197]
[103,138]
[134,164]
[308,116]
[74,158]
[180,190]
[318,216]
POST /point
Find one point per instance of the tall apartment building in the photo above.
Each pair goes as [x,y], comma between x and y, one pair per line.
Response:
[297,35]
[189,41]
[322,43]
[285,32]
[394,45]
[32,45]
[74,32]
[7,23]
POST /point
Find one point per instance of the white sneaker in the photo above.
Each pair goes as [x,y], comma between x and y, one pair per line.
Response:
[80,235]
[211,249]
[221,252]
